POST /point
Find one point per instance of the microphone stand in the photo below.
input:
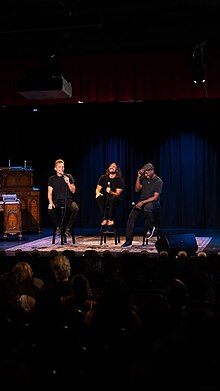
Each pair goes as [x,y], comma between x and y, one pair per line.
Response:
[64,212]
[106,204]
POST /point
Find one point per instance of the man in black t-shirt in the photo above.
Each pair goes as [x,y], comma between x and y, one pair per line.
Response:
[108,191]
[150,187]
[61,188]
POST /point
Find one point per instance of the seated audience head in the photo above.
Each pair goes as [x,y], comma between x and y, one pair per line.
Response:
[61,267]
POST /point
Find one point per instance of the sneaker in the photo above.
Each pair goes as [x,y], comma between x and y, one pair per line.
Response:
[128,243]
[68,232]
[150,233]
[58,231]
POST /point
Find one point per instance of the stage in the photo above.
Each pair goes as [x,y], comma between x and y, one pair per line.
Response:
[90,239]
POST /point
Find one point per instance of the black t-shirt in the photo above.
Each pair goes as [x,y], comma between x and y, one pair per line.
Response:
[114,183]
[150,186]
[60,188]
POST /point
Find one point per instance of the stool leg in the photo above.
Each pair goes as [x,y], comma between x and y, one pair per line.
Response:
[54,235]
[157,224]
[115,235]
[145,241]
[101,235]
[73,238]
[62,236]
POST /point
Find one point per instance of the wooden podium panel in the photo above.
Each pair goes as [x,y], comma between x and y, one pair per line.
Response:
[19,180]
[12,218]
[16,178]
[30,209]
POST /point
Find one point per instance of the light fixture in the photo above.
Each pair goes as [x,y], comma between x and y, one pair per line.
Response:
[199,64]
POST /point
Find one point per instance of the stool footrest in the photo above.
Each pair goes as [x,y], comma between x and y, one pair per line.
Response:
[108,231]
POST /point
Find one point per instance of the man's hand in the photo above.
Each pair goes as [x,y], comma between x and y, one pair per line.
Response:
[66,179]
[108,190]
[139,204]
[140,173]
[98,194]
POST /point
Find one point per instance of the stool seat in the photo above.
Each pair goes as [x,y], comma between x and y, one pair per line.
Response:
[108,231]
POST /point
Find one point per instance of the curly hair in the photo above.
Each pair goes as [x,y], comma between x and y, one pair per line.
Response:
[118,169]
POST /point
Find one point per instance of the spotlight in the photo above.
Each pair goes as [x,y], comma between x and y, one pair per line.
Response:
[199,64]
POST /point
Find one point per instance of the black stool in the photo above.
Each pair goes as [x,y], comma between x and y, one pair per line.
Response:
[63,237]
[156,224]
[111,230]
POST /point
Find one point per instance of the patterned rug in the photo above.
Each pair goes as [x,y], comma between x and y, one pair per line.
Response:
[83,243]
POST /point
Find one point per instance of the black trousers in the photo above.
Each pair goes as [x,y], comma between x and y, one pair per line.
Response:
[55,215]
[147,210]
[107,206]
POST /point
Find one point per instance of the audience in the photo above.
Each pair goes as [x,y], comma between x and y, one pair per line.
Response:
[29,286]
[84,306]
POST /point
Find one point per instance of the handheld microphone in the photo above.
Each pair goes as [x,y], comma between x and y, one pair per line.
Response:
[108,187]
[142,175]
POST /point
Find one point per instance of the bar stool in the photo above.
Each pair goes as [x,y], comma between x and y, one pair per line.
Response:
[156,224]
[63,237]
[108,231]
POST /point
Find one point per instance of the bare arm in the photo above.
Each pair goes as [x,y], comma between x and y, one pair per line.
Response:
[50,197]
[71,186]
[115,193]
[138,185]
[150,199]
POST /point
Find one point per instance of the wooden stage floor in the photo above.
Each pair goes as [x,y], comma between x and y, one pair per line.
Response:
[207,240]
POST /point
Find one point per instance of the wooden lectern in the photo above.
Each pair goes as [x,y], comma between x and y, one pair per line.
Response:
[11,207]
[19,181]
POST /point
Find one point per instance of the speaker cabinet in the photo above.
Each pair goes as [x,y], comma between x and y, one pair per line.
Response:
[173,243]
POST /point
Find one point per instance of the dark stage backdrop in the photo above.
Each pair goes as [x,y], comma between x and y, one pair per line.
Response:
[178,137]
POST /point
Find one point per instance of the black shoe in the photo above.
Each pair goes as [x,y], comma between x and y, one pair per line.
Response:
[58,231]
[150,233]
[128,243]
[68,232]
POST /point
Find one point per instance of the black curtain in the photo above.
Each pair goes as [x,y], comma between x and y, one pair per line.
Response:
[178,137]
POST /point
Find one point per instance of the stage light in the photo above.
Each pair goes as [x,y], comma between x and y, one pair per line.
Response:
[199,64]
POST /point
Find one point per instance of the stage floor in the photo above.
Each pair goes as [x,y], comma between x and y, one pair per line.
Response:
[207,240]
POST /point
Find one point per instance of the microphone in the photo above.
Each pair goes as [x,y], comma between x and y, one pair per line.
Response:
[108,186]
[142,175]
